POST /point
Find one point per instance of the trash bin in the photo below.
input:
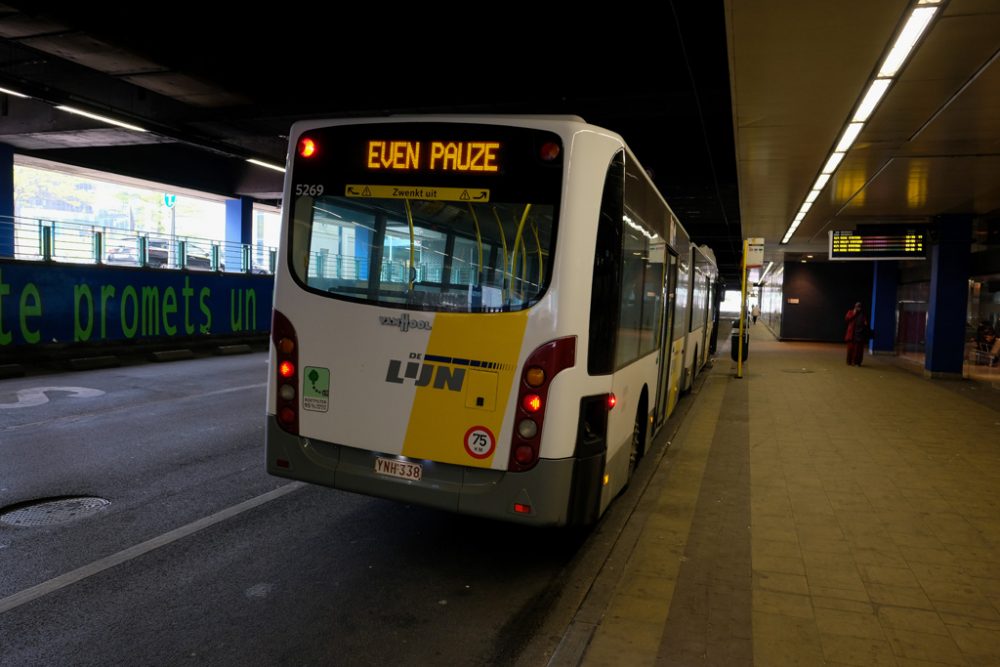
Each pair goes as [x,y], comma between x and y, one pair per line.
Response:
[734,341]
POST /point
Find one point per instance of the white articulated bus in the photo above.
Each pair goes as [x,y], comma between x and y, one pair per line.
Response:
[489,315]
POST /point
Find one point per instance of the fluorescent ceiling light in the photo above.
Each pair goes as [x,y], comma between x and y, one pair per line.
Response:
[821,181]
[798,218]
[919,19]
[811,197]
[260,163]
[871,99]
[761,278]
[805,207]
[103,119]
[12,92]
[850,134]
[788,234]
[832,163]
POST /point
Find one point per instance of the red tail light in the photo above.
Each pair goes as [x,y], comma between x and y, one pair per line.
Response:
[549,151]
[532,403]
[307,147]
[612,401]
[541,366]
[286,352]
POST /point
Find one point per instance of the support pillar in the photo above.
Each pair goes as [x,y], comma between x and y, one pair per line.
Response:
[239,231]
[949,292]
[883,315]
[6,201]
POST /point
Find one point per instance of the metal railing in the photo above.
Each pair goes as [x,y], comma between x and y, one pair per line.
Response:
[34,239]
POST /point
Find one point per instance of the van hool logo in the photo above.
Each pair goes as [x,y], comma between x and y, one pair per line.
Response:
[404,322]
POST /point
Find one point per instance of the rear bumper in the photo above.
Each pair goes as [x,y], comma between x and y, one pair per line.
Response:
[547,488]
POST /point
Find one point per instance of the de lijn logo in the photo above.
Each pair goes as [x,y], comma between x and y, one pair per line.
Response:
[424,373]
[404,322]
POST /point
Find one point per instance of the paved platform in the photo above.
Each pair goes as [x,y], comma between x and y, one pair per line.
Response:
[814,513]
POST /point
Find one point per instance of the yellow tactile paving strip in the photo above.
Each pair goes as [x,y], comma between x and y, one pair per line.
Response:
[631,630]
[874,518]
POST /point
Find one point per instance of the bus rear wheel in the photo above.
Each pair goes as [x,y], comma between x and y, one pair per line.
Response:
[638,445]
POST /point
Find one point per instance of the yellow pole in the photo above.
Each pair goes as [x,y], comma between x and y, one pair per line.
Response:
[503,239]
[743,311]
[517,239]
[479,242]
[412,268]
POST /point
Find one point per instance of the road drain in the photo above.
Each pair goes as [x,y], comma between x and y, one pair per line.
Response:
[47,511]
[796,370]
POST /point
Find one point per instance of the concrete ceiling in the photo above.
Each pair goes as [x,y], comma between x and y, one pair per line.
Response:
[216,90]
[931,148]
[783,76]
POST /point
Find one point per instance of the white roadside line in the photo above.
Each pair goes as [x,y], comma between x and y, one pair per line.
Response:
[133,406]
[69,578]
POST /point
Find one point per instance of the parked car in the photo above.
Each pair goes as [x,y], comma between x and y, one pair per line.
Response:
[123,255]
[158,251]
[159,256]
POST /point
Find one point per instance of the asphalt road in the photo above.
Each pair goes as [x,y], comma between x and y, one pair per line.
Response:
[306,576]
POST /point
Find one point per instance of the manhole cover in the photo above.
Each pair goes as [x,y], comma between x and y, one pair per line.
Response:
[47,512]
[796,370]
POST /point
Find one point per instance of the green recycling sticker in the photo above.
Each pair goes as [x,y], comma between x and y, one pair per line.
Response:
[316,389]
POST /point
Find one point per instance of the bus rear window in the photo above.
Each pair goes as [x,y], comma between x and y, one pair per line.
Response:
[396,229]
[427,254]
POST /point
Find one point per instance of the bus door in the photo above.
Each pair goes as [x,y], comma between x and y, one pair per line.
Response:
[666,340]
[706,299]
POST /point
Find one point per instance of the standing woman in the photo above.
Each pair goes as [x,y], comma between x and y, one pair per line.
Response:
[856,335]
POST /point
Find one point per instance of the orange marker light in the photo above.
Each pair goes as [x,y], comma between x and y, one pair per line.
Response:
[287,369]
[532,403]
[534,376]
[307,147]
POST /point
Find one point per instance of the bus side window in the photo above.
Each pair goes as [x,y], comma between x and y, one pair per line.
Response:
[606,287]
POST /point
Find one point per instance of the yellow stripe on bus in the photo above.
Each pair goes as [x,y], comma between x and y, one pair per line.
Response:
[459,422]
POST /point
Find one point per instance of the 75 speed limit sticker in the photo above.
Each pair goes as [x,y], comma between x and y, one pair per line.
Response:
[480,442]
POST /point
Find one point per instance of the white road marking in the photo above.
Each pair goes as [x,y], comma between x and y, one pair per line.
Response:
[130,406]
[98,566]
[35,396]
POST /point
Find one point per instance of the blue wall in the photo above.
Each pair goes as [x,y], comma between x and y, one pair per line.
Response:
[44,303]
[883,313]
[949,291]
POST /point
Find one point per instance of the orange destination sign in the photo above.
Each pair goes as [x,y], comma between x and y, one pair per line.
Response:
[440,156]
